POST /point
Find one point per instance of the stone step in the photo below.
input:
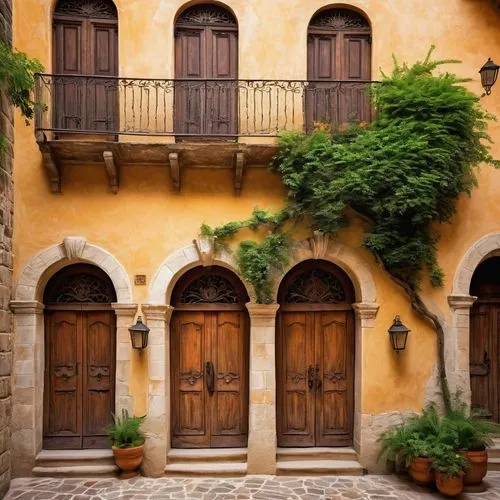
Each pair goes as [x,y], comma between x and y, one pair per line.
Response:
[494,464]
[319,453]
[319,467]
[224,469]
[75,463]
[178,455]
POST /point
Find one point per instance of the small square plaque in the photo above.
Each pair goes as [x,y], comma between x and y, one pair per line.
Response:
[140,279]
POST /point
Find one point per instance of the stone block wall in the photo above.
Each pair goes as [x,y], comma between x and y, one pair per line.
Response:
[6,217]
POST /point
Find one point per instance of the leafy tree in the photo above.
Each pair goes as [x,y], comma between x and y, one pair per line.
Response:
[403,174]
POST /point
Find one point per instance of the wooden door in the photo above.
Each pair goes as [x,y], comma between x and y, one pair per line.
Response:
[206,70]
[85,42]
[209,379]
[484,358]
[338,62]
[79,378]
[315,378]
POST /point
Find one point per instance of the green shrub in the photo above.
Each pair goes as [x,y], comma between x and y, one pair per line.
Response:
[446,460]
[125,432]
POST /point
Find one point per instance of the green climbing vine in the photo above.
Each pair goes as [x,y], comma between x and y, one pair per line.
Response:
[402,174]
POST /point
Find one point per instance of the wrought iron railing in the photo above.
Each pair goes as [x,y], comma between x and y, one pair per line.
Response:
[79,104]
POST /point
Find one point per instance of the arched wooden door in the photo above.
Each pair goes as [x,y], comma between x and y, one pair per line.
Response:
[209,360]
[338,65]
[80,332]
[85,42]
[315,357]
[206,72]
[484,348]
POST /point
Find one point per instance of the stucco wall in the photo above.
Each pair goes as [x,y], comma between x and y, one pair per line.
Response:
[147,220]
[6,217]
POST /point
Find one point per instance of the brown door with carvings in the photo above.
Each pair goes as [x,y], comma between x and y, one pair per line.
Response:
[315,357]
[485,339]
[209,361]
[338,62]
[85,41]
[79,359]
[206,72]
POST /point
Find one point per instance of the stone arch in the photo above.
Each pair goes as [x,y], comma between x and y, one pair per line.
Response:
[200,252]
[42,266]
[485,247]
[319,247]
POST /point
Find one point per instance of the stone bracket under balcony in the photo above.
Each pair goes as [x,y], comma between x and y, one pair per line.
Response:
[176,157]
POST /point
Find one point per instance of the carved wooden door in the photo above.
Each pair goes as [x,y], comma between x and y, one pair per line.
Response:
[79,378]
[206,69]
[315,357]
[209,382]
[484,358]
[85,42]
[338,58]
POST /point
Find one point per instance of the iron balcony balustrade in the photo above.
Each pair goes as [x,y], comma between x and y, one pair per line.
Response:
[217,108]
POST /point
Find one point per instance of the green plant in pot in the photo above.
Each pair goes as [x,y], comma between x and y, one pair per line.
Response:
[419,456]
[474,436]
[127,442]
[450,468]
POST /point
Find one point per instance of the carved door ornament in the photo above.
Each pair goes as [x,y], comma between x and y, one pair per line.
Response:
[316,286]
[339,20]
[65,371]
[97,9]
[481,369]
[191,376]
[205,247]
[99,372]
[319,244]
[228,377]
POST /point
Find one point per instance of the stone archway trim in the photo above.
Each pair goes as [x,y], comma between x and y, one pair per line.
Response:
[74,249]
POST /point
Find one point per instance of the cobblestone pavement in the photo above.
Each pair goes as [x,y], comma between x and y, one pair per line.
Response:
[249,487]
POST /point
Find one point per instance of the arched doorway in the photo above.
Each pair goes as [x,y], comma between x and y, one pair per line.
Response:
[484,350]
[80,332]
[206,71]
[85,42]
[338,67]
[209,360]
[315,357]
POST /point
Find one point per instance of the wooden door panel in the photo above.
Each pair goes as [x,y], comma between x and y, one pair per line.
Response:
[296,398]
[62,418]
[334,399]
[99,368]
[229,420]
[479,352]
[189,414]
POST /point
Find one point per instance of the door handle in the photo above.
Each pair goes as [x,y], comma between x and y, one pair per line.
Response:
[317,378]
[310,377]
[210,378]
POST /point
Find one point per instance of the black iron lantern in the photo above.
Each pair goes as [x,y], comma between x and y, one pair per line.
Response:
[139,334]
[398,334]
[489,73]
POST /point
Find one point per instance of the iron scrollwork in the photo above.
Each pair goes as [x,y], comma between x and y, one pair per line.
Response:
[340,19]
[316,286]
[83,288]
[207,15]
[98,9]
[209,290]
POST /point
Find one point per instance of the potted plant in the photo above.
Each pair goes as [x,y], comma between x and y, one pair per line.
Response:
[449,467]
[473,439]
[419,453]
[127,443]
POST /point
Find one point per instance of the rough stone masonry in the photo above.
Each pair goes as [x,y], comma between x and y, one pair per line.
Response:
[6,217]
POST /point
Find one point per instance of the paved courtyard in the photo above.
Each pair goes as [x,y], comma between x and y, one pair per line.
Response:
[249,487]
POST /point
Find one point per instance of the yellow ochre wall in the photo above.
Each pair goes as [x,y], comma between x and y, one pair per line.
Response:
[146,221]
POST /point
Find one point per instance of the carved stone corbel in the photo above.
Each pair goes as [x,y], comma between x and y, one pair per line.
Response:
[111,170]
[51,165]
[240,161]
[74,246]
[205,246]
[175,170]
[319,244]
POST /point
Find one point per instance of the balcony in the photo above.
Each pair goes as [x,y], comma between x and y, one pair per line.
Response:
[189,123]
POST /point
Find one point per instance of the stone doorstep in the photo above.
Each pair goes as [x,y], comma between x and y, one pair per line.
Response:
[318,453]
[179,455]
[220,469]
[76,471]
[319,467]
[494,464]
[74,463]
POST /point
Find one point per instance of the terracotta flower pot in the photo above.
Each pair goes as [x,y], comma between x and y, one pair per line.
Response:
[421,472]
[128,460]
[449,486]
[478,461]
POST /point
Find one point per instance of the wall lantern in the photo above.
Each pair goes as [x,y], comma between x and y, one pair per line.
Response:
[399,334]
[139,334]
[489,73]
